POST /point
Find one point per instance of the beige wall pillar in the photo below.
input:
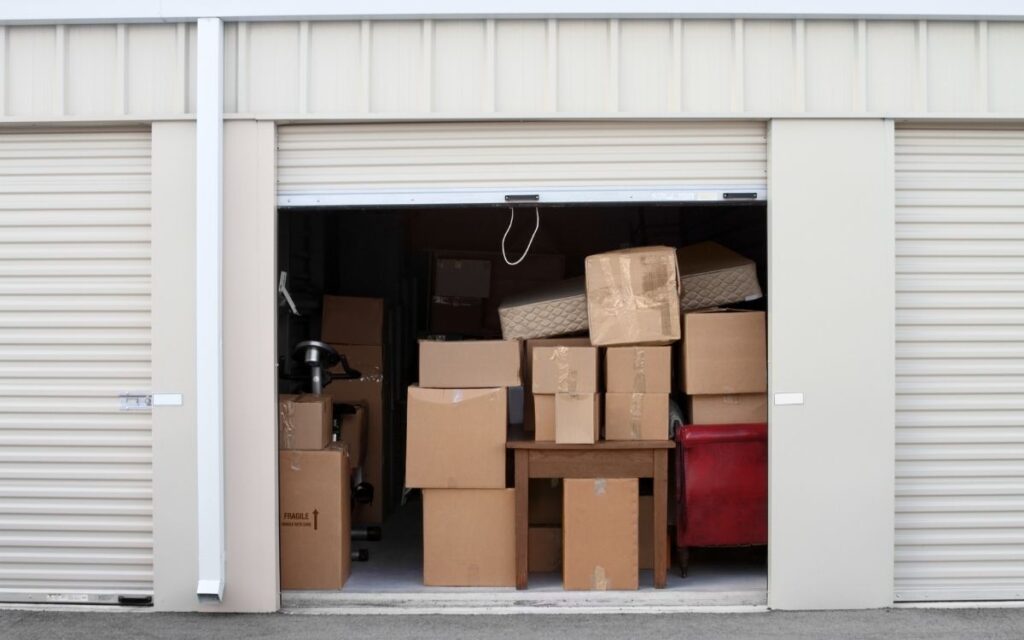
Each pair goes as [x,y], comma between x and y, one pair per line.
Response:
[250,383]
[832,338]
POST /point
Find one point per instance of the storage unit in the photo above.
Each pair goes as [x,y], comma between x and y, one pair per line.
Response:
[960,363]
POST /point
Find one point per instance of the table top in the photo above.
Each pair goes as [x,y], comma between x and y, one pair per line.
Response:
[603,445]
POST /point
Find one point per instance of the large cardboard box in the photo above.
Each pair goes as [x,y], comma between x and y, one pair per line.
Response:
[636,416]
[638,369]
[577,418]
[645,542]
[600,549]
[544,417]
[554,309]
[456,438]
[712,275]
[304,421]
[470,364]
[469,537]
[348,320]
[352,427]
[633,296]
[454,277]
[545,502]
[580,341]
[565,369]
[544,549]
[368,391]
[743,408]
[315,523]
[724,352]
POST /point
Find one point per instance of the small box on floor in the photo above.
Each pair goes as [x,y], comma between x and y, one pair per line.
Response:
[468,364]
[544,549]
[636,416]
[456,438]
[600,551]
[304,421]
[314,517]
[577,418]
[544,417]
[469,537]
[724,352]
[633,296]
[638,369]
[743,408]
[352,425]
[565,369]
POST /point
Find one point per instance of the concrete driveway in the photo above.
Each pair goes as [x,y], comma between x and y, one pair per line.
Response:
[902,624]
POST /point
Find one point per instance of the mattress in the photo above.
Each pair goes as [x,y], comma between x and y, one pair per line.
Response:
[713,275]
[553,310]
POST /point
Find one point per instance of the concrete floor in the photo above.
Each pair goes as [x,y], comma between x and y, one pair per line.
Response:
[904,624]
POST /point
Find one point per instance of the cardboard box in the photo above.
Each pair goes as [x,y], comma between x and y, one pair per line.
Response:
[545,502]
[303,421]
[743,408]
[544,549]
[458,278]
[633,296]
[348,320]
[645,541]
[712,275]
[564,369]
[544,417]
[724,352]
[352,427]
[600,549]
[638,369]
[469,537]
[456,316]
[470,364]
[553,309]
[580,341]
[314,517]
[368,391]
[456,438]
[577,418]
[636,416]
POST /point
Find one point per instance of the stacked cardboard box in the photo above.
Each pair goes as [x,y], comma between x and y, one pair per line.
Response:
[456,434]
[724,366]
[638,380]
[355,328]
[315,503]
[564,381]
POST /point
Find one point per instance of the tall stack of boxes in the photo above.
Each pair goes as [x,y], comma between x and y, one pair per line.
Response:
[456,434]
[567,405]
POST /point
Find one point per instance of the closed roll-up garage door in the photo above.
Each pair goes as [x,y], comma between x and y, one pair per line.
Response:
[75,472]
[438,163]
[960,363]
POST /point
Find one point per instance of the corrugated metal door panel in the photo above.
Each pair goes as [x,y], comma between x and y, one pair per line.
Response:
[75,471]
[325,158]
[960,363]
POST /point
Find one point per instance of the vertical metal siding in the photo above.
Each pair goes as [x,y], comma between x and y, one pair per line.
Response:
[75,472]
[960,363]
[330,158]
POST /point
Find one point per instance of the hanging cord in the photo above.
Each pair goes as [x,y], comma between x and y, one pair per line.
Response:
[526,251]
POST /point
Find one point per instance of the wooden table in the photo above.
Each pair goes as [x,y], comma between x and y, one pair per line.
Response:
[605,459]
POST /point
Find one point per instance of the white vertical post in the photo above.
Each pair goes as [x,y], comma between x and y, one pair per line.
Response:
[209,312]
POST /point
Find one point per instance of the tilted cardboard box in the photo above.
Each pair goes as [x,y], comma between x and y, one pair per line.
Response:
[633,296]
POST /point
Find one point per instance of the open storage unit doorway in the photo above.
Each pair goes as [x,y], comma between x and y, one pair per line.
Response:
[367,210]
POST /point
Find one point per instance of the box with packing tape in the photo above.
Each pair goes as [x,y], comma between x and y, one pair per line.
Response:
[529,410]
[638,369]
[304,421]
[636,416]
[608,561]
[565,369]
[633,296]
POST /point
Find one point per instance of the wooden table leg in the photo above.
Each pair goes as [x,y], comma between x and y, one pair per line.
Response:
[660,528]
[522,516]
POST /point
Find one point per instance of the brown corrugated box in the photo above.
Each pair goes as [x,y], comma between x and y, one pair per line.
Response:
[348,320]
[712,275]
[368,391]
[466,364]
[315,524]
[544,417]
[544,549]
[353,434]
[577,418]
[743,408]
[530,345]
[636,416]
[633,296]
[303,421]
[600,549]
[565,369]
[645,526]
[545,502]
[724,352]
[454,277]
[638,369]
[456,438]
[469,537]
